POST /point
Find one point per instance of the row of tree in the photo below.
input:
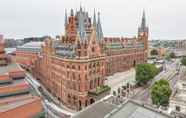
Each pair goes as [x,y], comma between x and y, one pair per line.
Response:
[160,91]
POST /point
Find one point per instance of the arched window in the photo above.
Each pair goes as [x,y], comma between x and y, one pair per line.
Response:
[73,76]
[79,53]
[91,84]
[93,49]
[79,67]
[69,98]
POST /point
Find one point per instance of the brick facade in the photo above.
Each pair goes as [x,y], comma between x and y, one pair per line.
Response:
[26,108]
[3,58]
[79,62]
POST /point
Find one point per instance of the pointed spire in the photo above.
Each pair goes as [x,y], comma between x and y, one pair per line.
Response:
[72,12]
[94,19]
[66,19]
[143,23]
[81,27]
[143,27]
[99,28]
[81,8]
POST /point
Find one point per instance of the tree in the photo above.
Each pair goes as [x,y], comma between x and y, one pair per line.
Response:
[172,55]
[145,72]
[154,52]
[183,61]
[160,93]
[167,57]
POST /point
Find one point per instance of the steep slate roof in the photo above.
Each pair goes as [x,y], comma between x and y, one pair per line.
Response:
[65,50]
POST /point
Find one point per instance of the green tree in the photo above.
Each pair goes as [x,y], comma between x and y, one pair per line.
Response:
[183,61]
[154,52]
[145,72]
[167,57]
[161,92]
[172,55]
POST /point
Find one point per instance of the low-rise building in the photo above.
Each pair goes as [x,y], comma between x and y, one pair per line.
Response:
[178,99]
[4,78]
[12,71]
[20,107]
[17,98]
[129,109]
[27,54]
[159,52]
[15,89]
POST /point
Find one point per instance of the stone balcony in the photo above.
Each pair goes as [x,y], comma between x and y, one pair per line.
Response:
[99,92]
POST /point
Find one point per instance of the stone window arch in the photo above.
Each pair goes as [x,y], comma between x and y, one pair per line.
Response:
[93,49]
[91,84]
[69,98]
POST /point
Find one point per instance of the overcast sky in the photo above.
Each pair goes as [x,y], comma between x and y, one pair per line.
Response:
[24,18]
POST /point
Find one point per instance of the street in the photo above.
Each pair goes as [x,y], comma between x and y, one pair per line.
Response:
[115,81]
[170,74]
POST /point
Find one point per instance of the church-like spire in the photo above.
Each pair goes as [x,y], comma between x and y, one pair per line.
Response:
[81,25]
[72,12]
[66,19]
[99,28]
[143,32]
[81,8]
[94,19]
[143,23]
[143,27]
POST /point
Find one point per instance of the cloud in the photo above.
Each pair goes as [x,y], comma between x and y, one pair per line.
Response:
[23,18]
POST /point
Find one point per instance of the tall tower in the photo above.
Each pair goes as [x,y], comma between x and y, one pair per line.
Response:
[143,32]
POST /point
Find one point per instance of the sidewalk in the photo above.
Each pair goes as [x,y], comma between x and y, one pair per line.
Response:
[118,79]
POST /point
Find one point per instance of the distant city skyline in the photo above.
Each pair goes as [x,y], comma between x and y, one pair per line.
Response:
[166,19]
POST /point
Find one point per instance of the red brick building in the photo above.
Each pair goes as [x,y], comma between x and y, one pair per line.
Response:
[74,68]
[3,59]
[21,107]
[27,54]
[17,98]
